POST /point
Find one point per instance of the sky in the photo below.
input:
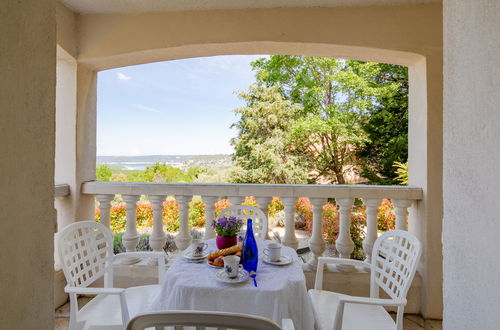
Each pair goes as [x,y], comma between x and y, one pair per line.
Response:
[180,107]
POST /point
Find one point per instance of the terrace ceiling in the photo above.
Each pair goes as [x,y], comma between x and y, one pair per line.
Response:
[143,6]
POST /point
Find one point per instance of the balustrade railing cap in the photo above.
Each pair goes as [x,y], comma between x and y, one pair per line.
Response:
[261,190]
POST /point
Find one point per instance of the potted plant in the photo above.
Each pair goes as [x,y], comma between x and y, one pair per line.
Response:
[227,229]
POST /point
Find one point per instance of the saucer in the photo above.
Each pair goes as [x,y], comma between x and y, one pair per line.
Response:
[243,276]
[189,255]
[285,260]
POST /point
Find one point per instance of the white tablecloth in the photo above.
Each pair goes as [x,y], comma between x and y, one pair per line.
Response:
[281,291]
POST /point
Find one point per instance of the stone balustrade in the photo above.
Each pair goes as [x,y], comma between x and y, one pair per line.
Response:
[401,196]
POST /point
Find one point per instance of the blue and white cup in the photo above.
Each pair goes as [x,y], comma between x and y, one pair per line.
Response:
[231,265]
[273,252]
[198,246]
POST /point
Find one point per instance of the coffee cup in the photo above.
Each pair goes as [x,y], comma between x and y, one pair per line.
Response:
[273,252]
[198,246]
[231,265]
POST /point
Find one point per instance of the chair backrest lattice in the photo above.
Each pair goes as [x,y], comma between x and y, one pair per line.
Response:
[85,247]
[394,263]
[201,320]
[259,219]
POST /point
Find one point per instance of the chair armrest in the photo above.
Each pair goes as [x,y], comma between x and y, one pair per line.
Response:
[287,324]
[113,291]
[161,256]
[78,290]
[371,301]
[318,283]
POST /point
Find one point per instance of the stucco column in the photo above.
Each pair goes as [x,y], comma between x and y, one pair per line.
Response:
[425,157]
[27,99]
[75,137]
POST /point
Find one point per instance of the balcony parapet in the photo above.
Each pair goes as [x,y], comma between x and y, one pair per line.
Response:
[257,190]
[372,196]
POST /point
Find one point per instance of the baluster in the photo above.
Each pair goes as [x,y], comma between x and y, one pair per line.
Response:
[263,203]
[236,200]
[131,238]
[402,206]
[183,238]
[372,205]
[209,215]
[104,208]
[344,243]
[290,239]
[317,243]
[157,239]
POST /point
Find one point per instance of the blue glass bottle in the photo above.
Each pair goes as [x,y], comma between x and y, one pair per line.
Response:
[250,252]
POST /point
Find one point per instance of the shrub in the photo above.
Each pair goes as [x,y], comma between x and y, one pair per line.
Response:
[386,218]
[144,215]
[171,215]
[220,205]
[196,213]
[275,206]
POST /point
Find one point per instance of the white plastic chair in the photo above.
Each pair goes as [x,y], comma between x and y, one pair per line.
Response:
[203,320]
[259,219]
[86,254]
[395,257]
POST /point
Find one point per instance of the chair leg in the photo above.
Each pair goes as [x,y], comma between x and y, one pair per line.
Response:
[73,311]
[399,318]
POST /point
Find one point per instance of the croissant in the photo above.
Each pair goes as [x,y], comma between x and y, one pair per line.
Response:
[224,252]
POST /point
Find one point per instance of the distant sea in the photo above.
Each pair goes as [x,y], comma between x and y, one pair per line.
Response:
[136,165]
[141,162]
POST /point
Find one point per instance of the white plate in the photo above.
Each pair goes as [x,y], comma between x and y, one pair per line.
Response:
[189,255]
[243,276]
[214,266]
[285,260]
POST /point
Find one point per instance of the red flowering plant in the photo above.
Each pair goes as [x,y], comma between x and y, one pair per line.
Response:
[386,218]
[171,215]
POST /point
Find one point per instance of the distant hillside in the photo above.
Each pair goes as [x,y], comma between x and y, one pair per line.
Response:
[181,161]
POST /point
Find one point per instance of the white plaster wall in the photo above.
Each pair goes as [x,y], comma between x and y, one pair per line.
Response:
[471,164]
[27,216]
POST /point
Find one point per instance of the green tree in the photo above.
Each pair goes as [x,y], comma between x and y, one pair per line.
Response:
[387,126]
[161,172]
[353,113]
[336,99]
[103,173]
[193,172]
[262,152]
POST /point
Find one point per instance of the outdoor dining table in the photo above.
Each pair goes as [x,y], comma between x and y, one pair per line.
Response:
[280,293]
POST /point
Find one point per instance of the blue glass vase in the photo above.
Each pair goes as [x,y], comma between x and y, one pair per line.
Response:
[250,252]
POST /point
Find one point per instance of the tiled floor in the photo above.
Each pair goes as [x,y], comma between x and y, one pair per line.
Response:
[411,322]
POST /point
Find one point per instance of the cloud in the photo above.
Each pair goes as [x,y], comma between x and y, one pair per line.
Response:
[123,76]
[145,108]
